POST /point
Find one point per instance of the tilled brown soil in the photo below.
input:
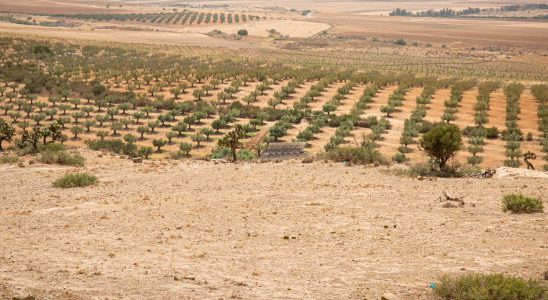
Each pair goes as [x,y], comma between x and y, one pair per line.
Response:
[199,230]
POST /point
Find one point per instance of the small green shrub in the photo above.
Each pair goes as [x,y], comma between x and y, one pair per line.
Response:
[72,180]
[400,42]
[489,287]
[113,145]
[356,155]
[518,203]
[55,154]
[52,147]
[246,154]
[400,157]
[220,152]
[430,168]
[492,133]
[8,159]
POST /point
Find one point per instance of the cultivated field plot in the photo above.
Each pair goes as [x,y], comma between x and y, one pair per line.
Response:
[292,231]
[353,149]
[182,106]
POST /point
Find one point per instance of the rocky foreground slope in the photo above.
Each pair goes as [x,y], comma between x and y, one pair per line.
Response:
[172,229]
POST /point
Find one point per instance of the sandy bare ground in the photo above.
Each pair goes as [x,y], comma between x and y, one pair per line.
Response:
[199,230]
[179,38]
[291,28]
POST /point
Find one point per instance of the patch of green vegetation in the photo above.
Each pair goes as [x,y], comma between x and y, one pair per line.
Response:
[8,159]
[489,287]
[518,203]
[117,146]
[246,154]
[73,180]
[356,155]
[56,154]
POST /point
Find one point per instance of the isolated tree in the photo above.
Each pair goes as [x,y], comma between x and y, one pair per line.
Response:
[101,103]
[145,152]
[185,147]
[87,110]
[165,118]
[274,102]
[32,137]
[101,134]
[142,130]
[6,132]
[101,119]
[441,143]
[207,132]
[183,86]
[329,107]
[78,115]
[126,122]
[28,109]
[254,123]
[190,120]
[387,109]
[88,124]
[41,105]
[24,125]
[124,107]
[198,94]
[152,125]
[38,118]
[138,115]
[51,113]
[198,116]
[75,102]
[14,115]
[180,127]
[277,131]
[232,140]
[222,96]
[63,121]
[130,138]
[6,107]
[76,130]
[169,136]
[116,126]
[198,137]
[176,91]
[159,143]
[112,112]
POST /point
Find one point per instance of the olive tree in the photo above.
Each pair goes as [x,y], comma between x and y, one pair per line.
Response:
[76,130]
[232,140]
[441,143]
[145,152]
[159,143]
[185,147]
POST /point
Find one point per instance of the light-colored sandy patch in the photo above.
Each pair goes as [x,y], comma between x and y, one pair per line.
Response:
[291,28]
[124,36]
